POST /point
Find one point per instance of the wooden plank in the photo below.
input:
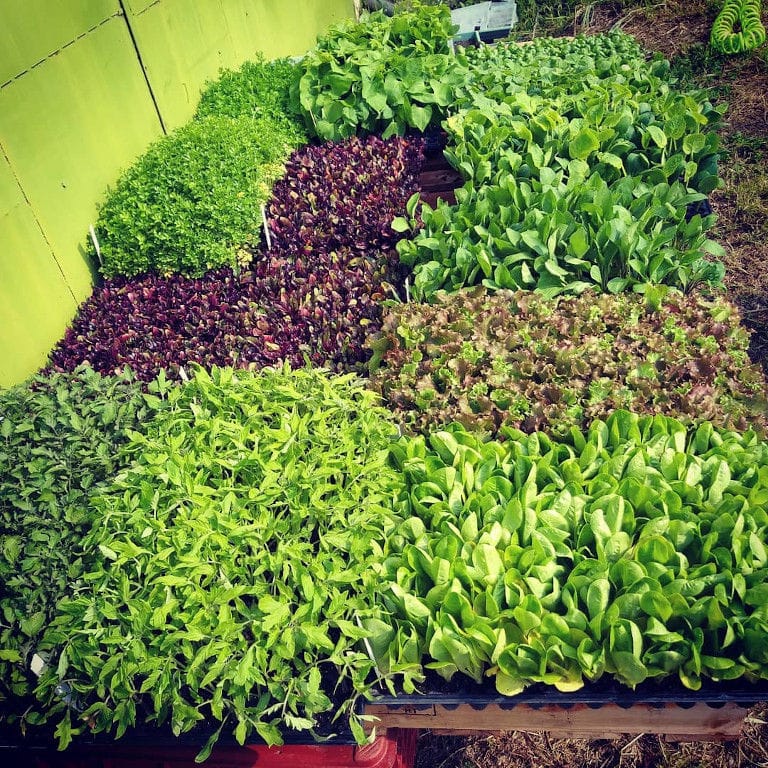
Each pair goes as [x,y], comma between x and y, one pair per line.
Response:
[698,722]
[435,160]
[439,179]
[431,198]
[672,738]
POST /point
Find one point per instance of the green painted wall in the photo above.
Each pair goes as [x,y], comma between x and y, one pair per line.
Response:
[31,283]
[66,126]
[84,87]
[32,30]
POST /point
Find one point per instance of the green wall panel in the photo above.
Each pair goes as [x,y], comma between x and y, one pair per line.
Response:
[67,127]
[31,30]
[35,301]
[139,6]
[76,108]
[184,43]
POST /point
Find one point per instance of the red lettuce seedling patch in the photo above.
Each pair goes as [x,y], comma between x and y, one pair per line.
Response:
[281,310]
[344,194]
[516,359]
[152,322]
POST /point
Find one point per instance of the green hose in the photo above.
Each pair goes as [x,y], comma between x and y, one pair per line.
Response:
[745,13]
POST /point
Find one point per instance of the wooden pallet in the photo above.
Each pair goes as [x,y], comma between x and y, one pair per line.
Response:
[696,722]
[438,180]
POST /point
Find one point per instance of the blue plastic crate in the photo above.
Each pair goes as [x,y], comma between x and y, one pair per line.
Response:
[484,22]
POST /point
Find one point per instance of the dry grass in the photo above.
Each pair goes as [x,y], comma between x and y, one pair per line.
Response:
[748,102]
[541,750]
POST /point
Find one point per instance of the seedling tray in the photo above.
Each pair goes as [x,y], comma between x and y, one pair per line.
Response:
[606,709]
[484,22]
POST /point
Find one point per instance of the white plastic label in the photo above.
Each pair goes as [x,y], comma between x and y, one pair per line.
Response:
[37,665]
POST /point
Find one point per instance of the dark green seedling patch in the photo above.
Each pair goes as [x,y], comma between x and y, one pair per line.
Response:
[236,562]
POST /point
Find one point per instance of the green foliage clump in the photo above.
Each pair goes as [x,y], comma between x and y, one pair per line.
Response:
[193,198]
[566,231]
[700,66]
[583,168]
[61,437]
[383,75]
[552,68]
[259,89]
[635,550]
[409,5]
[490,361]
[417,30]
[233,560]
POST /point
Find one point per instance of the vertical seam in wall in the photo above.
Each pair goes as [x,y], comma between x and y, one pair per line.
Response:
[141,64]
[39,225]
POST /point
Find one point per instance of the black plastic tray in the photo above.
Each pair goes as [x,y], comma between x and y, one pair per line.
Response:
[149,737]
[593,695]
